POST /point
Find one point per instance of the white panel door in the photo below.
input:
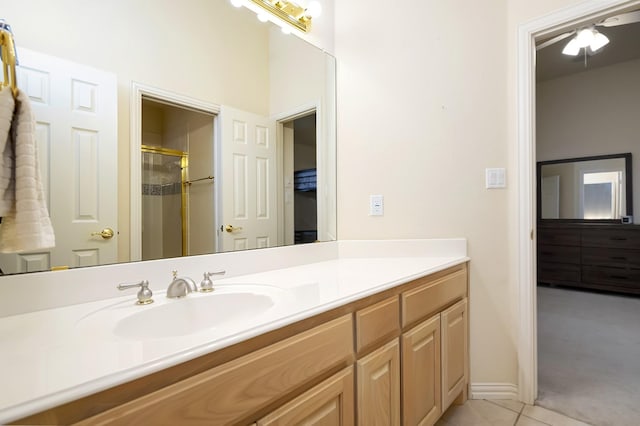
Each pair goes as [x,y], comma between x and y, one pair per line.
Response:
[75,108]
[247,191]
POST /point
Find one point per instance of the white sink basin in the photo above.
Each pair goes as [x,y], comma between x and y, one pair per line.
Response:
[225,307]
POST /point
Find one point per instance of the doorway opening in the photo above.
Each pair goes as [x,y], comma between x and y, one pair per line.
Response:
[545,27]
[177,162]
[301,179]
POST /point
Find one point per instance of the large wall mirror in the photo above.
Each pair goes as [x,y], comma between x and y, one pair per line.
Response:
[185,127]
[585,189]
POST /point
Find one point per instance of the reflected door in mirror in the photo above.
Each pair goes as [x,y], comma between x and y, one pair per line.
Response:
[76,127]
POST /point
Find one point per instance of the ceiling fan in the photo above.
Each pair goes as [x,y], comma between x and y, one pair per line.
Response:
[588,37]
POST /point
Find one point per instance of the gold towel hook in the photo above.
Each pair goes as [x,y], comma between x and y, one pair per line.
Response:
[8,61]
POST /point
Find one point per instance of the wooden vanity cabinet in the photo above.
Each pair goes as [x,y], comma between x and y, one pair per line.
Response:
[329,403]
[379,386]
[421,373]
[454,353]
[434,351]
[396,357]
[227,393]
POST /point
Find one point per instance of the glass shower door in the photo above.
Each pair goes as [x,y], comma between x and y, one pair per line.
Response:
[163,203]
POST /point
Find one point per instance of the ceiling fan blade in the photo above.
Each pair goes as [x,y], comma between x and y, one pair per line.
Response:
[554,40]
[623,19]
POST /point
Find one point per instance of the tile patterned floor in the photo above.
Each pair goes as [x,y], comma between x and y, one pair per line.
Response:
[482,412]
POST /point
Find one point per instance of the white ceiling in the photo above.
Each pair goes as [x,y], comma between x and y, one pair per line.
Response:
[624,46]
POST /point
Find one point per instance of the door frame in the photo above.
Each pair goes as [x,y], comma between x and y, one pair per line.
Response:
[280,120]
[526,137]
[138,91]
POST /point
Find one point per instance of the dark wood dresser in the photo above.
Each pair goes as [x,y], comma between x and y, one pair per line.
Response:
[595,256]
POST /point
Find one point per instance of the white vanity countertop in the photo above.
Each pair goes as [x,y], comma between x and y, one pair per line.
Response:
[54,356]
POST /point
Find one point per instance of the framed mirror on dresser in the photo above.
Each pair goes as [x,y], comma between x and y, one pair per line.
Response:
[586,236]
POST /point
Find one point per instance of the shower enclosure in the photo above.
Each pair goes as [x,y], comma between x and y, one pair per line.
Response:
[163,203]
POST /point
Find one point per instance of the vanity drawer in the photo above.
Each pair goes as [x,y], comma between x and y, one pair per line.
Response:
[229,392]
[616,238]
[433,296]
[377,323]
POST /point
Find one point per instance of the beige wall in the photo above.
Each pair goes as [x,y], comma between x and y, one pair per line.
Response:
[426,102]
[592,113]
[422,110]
[205,49]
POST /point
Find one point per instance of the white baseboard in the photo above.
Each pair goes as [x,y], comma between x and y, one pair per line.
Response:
[494,391]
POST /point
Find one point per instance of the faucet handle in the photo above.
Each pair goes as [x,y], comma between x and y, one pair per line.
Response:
[206,285]
[145,293]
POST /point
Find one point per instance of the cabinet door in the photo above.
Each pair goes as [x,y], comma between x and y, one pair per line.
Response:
[379,386]
[328,404]
[454,352]
[421,395]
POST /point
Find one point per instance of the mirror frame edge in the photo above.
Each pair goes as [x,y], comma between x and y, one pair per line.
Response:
[628,190]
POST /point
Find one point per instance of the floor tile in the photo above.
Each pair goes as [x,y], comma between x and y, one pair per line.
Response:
[507,403]
[478,413]
[550,417]
[528,421]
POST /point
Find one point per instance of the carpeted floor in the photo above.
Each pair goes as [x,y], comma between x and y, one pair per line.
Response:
[589,356]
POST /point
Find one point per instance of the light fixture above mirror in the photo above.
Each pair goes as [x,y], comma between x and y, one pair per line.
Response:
[297,15]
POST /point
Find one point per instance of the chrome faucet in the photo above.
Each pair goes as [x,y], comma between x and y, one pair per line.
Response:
[145,293]
[206,286]
[181,286]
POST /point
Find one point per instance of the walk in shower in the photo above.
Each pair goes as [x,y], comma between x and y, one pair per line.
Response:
[163,203]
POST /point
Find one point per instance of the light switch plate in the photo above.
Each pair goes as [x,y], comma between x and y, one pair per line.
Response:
[376,205]
[495,178]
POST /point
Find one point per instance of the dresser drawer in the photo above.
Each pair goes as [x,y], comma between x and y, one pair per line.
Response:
[377,323]
[621,277]
[620,258]
[558,273]
[558,254]
[563,237]
[433,296]
[614,238]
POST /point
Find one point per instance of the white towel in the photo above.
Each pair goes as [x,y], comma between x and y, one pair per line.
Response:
[26,227]
[7,187]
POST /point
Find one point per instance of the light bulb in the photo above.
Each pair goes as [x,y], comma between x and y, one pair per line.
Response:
[585,37]
[262,17]
[599,41]
[572,48]
[314,9]
[286,30]
[236,3]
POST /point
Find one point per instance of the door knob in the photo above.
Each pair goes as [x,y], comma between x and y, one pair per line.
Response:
[231,228]
[106,233]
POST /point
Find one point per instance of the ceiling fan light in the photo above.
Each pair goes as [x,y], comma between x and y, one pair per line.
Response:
[585,37]
[572,48]
[599,41]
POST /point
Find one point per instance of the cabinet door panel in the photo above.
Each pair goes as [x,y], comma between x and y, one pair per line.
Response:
[379,387]
[454,352]
[328,404]
[421,394]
